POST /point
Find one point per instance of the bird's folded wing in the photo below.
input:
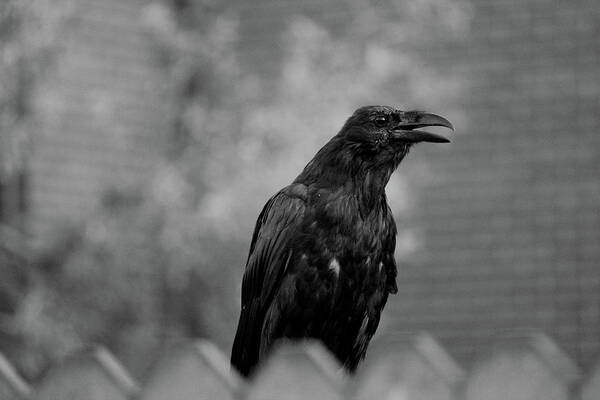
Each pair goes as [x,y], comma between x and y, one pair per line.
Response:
[270,253]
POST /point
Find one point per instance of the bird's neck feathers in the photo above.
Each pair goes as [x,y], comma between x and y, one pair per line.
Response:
[347,166]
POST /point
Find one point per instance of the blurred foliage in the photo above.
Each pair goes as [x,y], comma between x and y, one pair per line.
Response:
[27,47]
[27,44]
[165,262]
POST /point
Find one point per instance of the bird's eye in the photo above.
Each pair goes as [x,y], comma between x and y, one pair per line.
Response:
[381,120]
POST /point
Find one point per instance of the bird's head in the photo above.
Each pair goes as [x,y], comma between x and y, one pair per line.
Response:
[384,131]
[370,146]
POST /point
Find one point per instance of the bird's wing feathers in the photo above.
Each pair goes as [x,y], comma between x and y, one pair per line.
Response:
[270,253]
[389,247]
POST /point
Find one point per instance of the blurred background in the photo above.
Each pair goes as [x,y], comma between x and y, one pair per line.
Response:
[140,139]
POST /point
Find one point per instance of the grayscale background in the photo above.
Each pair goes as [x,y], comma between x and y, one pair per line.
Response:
[139,141]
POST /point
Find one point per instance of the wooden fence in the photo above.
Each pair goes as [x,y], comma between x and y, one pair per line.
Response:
[417,368]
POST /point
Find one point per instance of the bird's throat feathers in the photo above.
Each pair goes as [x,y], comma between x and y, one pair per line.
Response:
[353,168]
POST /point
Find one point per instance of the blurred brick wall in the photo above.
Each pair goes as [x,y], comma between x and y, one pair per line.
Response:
[101,112]
[511,221]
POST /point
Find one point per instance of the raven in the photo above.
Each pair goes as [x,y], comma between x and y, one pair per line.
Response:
[321,261]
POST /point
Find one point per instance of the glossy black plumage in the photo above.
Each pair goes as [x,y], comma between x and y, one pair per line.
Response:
[321,261]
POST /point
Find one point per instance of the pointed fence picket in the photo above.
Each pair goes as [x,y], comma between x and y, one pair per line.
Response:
[415,368]
[298,371]
[528,367]
[193,371]
[12,386]
[92,375]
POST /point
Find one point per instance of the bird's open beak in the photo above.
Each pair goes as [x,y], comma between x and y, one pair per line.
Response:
[411,120]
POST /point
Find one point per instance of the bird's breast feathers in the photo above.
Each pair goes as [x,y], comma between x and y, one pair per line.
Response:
[335,243]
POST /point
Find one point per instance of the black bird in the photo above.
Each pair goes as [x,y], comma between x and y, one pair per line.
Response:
[321,261]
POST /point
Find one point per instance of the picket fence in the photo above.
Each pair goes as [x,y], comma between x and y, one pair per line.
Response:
[527,367]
